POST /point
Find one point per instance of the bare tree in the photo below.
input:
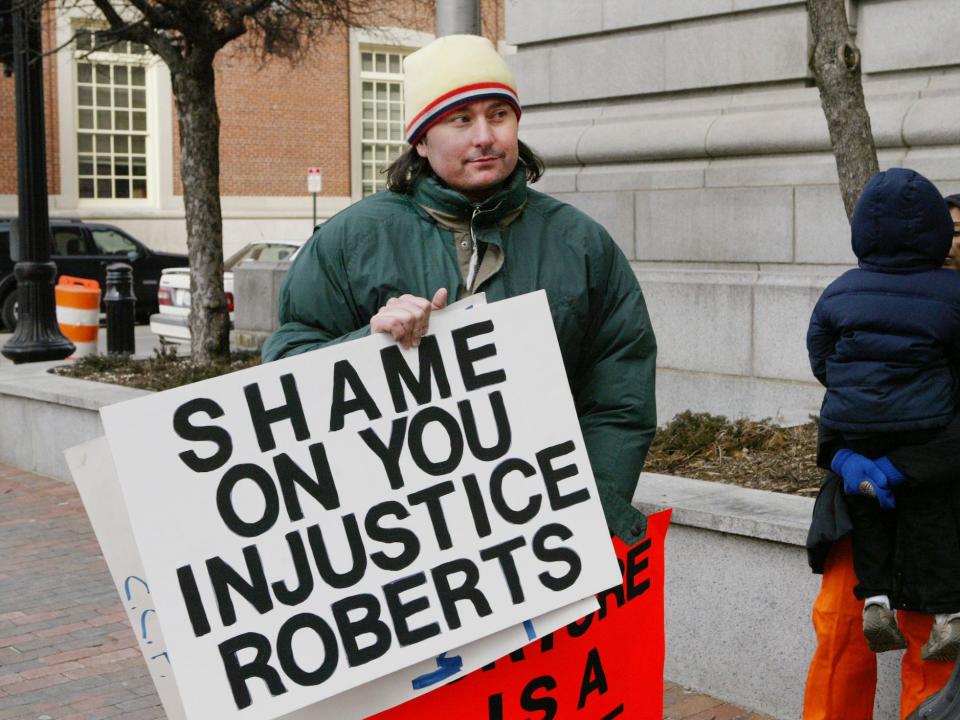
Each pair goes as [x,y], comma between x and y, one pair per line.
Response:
[836,64]
[187,35]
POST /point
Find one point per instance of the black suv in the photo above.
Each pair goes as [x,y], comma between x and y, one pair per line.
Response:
[84,250]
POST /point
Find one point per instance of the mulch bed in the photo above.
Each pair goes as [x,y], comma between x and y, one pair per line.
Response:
[163,371]
[748,453]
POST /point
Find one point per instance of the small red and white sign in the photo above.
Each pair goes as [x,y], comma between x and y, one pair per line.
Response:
[314,180]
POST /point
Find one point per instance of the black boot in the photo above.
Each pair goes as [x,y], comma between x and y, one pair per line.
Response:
[943,704]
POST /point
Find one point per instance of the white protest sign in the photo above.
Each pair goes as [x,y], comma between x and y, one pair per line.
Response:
[468,303]
[96,479]
[322,521]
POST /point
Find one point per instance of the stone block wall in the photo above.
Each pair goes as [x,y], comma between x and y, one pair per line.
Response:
[692,129]
[256,290]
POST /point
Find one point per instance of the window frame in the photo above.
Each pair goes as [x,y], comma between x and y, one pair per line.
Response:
[160,118]
[382,39]
[110,59]
[388,144]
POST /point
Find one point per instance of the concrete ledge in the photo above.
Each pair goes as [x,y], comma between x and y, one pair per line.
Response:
[756,122]
[727,508]
[739,594]
[43,414]
[720,51]
[34,381]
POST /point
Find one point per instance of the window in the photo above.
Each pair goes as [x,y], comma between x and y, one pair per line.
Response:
[110,242]
[381,115]
[69,241]
[111,120]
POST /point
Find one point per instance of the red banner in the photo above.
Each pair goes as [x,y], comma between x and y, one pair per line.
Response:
[606,665]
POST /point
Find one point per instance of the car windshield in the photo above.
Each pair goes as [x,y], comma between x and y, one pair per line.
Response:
[264,252]
[110,242]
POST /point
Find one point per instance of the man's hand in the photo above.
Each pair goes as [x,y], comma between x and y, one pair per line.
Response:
[863,476]
[407,317]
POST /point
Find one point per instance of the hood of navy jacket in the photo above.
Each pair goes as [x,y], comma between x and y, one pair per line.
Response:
[901,223]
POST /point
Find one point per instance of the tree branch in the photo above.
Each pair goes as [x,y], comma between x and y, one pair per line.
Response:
[238,16]
[110,13]
[158,18]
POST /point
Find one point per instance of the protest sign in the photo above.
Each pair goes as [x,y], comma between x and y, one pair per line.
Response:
[606,665]
[96,480]
[319,522]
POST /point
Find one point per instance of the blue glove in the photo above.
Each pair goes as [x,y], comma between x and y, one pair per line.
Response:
[863,476]
[894,476]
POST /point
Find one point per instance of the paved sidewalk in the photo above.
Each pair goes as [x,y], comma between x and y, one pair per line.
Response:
[682,704]
[66,649]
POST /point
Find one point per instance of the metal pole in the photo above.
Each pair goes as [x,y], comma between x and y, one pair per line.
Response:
[314,212]
[458,17]
[37,336]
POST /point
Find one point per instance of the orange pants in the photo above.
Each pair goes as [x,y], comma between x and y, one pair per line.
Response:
[843,673]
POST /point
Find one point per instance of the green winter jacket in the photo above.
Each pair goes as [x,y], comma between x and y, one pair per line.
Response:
[388,244]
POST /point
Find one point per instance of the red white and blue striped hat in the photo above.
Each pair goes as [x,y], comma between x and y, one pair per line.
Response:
[450,72]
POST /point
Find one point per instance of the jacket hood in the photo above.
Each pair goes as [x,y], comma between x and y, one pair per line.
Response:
[901,223]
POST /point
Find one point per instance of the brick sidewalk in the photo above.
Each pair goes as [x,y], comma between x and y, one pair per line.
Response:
[66,649]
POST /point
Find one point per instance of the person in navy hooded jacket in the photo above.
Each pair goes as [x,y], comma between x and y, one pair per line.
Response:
[884,340]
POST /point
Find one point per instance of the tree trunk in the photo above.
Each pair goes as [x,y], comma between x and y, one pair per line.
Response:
[836,64]
[199,122]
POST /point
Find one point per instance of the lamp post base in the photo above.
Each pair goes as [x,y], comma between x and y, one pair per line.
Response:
[37,336]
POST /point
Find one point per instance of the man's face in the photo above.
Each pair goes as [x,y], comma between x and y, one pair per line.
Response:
[474,148]
[953,259]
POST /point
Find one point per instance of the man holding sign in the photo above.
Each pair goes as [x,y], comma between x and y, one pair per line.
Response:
[458,218]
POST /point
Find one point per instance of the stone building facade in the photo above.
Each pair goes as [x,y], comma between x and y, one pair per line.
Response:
[693,130]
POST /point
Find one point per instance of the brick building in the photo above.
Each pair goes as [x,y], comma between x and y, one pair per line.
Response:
[112,131]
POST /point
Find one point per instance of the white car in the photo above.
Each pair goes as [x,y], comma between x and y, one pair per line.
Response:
[172,323]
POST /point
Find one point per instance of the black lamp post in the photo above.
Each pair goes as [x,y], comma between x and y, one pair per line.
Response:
[37,335]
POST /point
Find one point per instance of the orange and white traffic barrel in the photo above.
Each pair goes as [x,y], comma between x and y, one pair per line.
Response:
[78,313]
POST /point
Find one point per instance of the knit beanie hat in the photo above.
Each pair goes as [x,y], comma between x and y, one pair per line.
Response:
[450,72]
[953,200]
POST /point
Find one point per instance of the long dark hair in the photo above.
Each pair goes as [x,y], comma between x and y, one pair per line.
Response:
[403,173]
